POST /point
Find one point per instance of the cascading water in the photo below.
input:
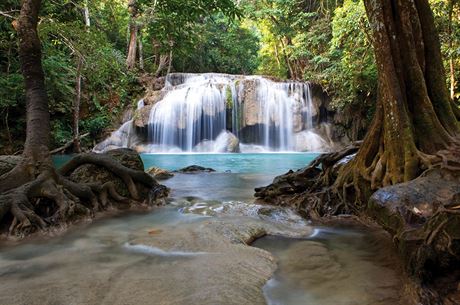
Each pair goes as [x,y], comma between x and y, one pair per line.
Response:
[199,107]
[189,114]
[228,113]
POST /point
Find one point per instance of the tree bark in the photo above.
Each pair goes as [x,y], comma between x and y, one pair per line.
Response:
[133,31]
[86,14]
[38,127]
[451,57]
[414,117]
[35,178]
[36,148]
[170,60]
[141,54]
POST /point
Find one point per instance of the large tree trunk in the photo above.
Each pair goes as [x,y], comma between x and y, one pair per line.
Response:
[133,29]
[451,56]
[35,180]
[38,118]
[36,148]
[141,52]
[414,118]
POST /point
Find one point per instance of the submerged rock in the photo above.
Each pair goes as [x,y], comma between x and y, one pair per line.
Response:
[195,169]
[214,257]
[159,173]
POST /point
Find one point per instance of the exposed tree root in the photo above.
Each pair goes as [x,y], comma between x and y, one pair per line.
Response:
[52,198]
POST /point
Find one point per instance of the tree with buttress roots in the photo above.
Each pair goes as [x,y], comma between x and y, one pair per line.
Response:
[416,125]
[35,178]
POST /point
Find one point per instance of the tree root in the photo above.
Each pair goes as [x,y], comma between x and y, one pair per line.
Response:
[66,200]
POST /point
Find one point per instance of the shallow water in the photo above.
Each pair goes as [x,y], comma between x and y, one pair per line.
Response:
[96,264]
[331,267]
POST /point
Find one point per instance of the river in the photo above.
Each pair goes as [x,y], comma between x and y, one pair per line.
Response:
[193,250]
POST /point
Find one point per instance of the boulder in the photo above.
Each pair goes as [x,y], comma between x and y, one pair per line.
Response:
[423,217]
[194,169]
[89,173]
[151,82]
[142,116]
[154,97]
[410,205]
[159,173]
[227,142]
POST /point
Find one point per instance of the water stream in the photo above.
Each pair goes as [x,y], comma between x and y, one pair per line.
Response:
[226,113]
[175,255]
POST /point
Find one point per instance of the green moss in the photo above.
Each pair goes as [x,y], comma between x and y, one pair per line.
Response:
[229,97]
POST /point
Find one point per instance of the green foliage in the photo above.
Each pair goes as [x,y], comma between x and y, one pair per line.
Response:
[324,41]
[106,84]
[219,45]
[61,132]
[96,124]
[352,73]
[447,18]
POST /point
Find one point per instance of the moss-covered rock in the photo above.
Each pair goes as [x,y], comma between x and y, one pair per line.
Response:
[89,173]
[422,216]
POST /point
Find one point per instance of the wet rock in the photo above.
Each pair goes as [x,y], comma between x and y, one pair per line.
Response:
[154,97]
[213,255]
[288,184]
[89,173]
[141,116]
[410,205]
[422,216]
[310,141]
[125,136]
[159,173]
[194,169]
[227,142]
[8,162]
[285,189]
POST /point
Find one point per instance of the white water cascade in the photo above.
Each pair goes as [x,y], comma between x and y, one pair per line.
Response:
[226,113]
[202,107]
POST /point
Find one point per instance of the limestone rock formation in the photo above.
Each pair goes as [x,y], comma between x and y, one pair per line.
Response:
[192,111]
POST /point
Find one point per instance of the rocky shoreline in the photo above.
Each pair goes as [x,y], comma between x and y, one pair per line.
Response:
[110,202]
[421,217]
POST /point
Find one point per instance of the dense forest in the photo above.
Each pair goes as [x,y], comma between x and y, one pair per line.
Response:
[96,52]
[388,71]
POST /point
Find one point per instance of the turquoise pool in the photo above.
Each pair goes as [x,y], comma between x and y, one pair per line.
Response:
[267,163]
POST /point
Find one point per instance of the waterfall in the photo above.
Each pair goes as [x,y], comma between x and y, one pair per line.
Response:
[227,113]
[197,107]
[189,114]
[140,104]
[279,103]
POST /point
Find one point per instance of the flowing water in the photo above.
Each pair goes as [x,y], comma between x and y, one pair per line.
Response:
[177,254]
[227,113]
[195,110]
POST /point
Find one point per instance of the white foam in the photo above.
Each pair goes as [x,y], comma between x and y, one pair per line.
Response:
[144,249]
